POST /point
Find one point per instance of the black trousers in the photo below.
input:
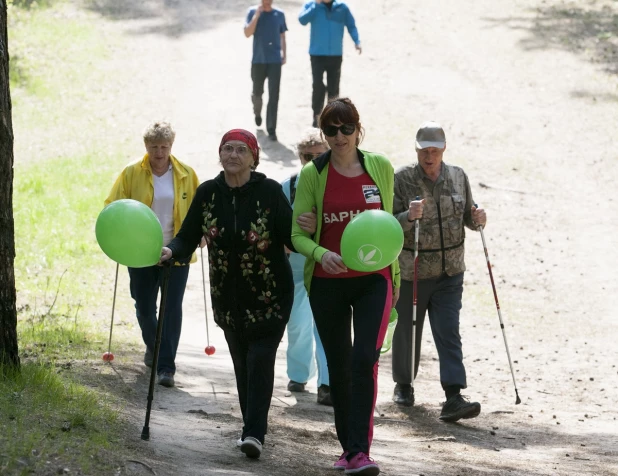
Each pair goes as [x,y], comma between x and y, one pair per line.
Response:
[254,356]
[259,73]
[441,299]
[352,367]
[331,65]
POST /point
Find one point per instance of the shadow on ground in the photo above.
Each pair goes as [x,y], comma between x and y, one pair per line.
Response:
[175,18]
[275,152]
[301,439]
[589,29]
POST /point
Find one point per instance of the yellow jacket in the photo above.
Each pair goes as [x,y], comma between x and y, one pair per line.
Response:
[135,182]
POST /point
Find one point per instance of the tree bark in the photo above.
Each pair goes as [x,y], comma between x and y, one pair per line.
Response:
[9,354]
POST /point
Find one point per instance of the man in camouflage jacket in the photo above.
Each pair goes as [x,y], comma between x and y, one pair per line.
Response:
[443,208]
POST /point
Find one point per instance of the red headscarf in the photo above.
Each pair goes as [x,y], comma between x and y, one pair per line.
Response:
[246,137]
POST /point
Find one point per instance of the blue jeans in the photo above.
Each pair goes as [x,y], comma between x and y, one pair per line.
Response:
[145,285]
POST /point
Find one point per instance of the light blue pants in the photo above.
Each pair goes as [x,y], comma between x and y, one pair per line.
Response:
[302,333]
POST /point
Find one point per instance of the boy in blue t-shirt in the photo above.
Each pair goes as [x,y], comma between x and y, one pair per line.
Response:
[267,26]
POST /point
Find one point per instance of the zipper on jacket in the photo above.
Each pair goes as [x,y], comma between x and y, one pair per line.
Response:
[238,314]
[235,213]
[441,240]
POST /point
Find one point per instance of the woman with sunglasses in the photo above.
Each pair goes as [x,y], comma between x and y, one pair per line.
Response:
[246,221]
[341,184]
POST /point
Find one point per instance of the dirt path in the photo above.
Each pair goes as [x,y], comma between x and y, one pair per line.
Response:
[527,93]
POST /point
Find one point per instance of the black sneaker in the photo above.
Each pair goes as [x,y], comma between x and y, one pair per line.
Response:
[403,394]
[251,447]
[324,396]
[148,357]
[258,120]
[272,136]
[458,407]
[166,379]
[315,121]
[296,386]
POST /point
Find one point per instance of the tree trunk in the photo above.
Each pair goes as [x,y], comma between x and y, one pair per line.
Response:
[9,355]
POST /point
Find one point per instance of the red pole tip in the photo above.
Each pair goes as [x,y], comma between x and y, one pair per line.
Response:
[108,357]
[209,350]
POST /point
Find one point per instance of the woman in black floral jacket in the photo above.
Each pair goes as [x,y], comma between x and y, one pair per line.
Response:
[246,221]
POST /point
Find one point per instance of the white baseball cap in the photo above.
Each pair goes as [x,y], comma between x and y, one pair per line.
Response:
[430,134]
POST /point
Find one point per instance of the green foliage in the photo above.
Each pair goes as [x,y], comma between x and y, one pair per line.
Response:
[64,168]
[45,418]
[32,4]
[47,336]
[56,206]
[34,67]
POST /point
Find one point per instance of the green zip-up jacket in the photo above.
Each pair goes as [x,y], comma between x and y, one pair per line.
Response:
[310,193]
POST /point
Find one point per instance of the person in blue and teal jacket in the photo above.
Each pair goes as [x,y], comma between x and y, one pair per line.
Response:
[328,19]
[301,329]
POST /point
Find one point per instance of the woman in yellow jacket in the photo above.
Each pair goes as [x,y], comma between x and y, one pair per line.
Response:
[167,186]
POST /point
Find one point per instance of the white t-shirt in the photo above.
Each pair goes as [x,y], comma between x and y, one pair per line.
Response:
[163,203]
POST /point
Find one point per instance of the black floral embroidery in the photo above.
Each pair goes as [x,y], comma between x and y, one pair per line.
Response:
[254,263]
[218,260]
[260,301]
[226,318]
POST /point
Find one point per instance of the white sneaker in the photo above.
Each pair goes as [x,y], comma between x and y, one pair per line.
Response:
[251,447]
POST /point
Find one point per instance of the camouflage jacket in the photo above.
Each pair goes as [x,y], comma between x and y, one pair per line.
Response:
[441,232]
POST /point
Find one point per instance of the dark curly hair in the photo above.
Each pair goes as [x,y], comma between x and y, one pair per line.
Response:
[341,111]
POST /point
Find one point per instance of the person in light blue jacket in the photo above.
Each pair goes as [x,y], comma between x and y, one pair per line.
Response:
[328,19]
[301,327]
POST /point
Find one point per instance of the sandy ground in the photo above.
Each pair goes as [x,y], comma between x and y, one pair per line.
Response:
[527,93]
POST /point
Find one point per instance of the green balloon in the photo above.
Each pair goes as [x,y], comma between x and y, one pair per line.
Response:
[393,316]
[129,232]
[371,241]
[390,331]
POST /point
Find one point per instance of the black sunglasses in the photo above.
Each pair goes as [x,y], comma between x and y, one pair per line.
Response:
[346,130]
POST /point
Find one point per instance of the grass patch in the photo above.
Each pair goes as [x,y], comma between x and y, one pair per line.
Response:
[48,422]
[62,76]
[58,260]
[57,412]
[40,69]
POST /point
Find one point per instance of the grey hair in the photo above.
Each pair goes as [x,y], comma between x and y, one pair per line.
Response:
[310,138]
[159,131]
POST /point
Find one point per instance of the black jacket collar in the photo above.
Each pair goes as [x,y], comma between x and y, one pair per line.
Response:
[256,177]
[321,161]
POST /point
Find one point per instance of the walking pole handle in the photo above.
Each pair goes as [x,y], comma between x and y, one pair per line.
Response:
[416,234]
[414,299]
[480,226]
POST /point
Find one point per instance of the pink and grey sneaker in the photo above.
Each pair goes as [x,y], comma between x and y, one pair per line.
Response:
[362,465]
[342,462]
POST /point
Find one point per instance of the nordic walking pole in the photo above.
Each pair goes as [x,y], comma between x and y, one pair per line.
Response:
[209,350]
[493,286]
[167,269]
[414,295]
[108,356]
